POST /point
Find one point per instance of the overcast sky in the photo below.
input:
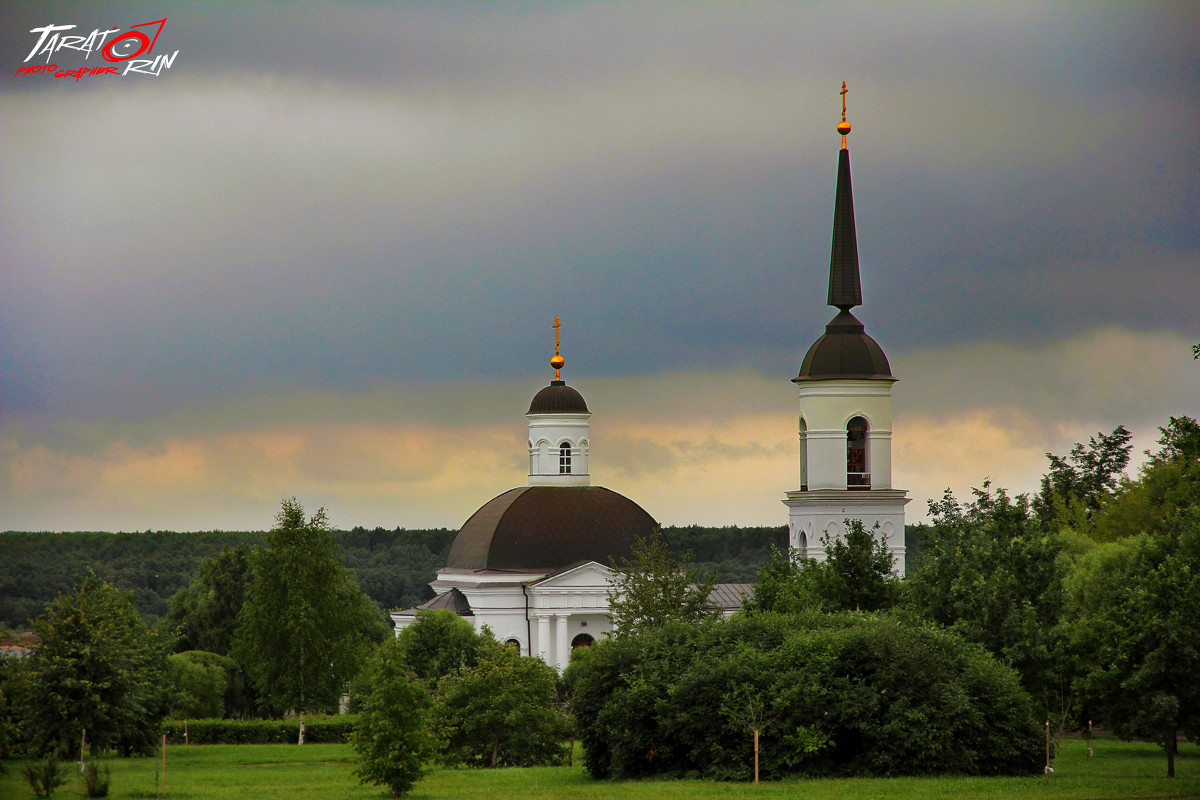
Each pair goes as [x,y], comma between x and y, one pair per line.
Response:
[320,253]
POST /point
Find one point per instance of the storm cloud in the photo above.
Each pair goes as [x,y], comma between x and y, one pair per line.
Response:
[319,255]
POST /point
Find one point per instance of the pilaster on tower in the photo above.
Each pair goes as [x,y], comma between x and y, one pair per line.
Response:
[845,391]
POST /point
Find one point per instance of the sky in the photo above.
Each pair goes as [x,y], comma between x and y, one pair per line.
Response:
[319,253]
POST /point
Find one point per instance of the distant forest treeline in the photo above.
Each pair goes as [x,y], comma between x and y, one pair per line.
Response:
[393,567]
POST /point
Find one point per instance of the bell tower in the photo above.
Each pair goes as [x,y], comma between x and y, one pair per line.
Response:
[845,423]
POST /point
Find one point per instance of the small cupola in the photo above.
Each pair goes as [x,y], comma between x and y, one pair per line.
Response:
[558,430]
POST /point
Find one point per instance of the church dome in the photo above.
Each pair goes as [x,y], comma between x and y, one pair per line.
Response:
[558,398]
[547,528]
[845,351]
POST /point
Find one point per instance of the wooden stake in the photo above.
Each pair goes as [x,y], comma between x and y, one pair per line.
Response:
[756,758]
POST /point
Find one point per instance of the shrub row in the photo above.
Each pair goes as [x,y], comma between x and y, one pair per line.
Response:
[318,730]
[832,694]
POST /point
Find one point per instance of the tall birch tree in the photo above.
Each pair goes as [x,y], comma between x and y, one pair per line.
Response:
[305,627]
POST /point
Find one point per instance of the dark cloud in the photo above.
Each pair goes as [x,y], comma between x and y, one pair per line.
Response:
[334,196]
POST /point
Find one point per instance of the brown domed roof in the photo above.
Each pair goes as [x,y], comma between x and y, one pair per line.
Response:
[558,398]
[845,351]
[546,528]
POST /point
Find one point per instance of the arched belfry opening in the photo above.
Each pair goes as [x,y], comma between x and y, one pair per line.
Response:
[858,472]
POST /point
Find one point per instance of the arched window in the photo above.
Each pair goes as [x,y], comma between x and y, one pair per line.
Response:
[514,644]
[564,458]
[858,474]
[582,640]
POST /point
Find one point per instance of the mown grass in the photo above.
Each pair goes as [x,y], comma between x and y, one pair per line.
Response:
[323,772]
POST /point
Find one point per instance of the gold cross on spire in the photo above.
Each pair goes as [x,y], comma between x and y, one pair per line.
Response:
[558,361]
[843,127]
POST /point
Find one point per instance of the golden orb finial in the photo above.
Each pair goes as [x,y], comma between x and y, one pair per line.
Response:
[557,361]
[843,127]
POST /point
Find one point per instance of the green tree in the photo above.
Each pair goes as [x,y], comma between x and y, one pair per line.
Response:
[990,573]
[857,572]
[97,678]
[437,644]
[1085,478]
[855,576]
[1179,440]
[199,681]
[9,690]
[393,738]
[1163,486]
[655,587]
[785,585]
[305,627]
[203,615]
[1135,600]
[501,712]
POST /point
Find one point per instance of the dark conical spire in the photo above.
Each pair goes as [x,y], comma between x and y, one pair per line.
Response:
[845,351]
[845,289]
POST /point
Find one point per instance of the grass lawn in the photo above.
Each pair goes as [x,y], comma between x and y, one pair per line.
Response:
[266,772]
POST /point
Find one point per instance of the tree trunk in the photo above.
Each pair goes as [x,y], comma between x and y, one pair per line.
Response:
[301,719]
[82,744]
[1172,747]
[495,749]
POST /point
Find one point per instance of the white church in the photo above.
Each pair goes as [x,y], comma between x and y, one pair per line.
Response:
[532,563]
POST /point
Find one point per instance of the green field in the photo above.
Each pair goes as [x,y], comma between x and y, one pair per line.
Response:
[265,772]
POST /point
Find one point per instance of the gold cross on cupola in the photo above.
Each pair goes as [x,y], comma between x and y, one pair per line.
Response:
[557,361]
[843,127]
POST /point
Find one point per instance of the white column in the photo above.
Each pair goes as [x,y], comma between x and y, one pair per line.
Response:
[826,459]
[879,458]
[543,642]
[563,654]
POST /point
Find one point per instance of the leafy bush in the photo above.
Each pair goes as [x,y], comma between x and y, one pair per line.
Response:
[95,780]
[501,712]
[45,776]
[320,730]
[831,694]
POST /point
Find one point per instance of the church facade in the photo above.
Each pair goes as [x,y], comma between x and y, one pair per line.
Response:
[532,564]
